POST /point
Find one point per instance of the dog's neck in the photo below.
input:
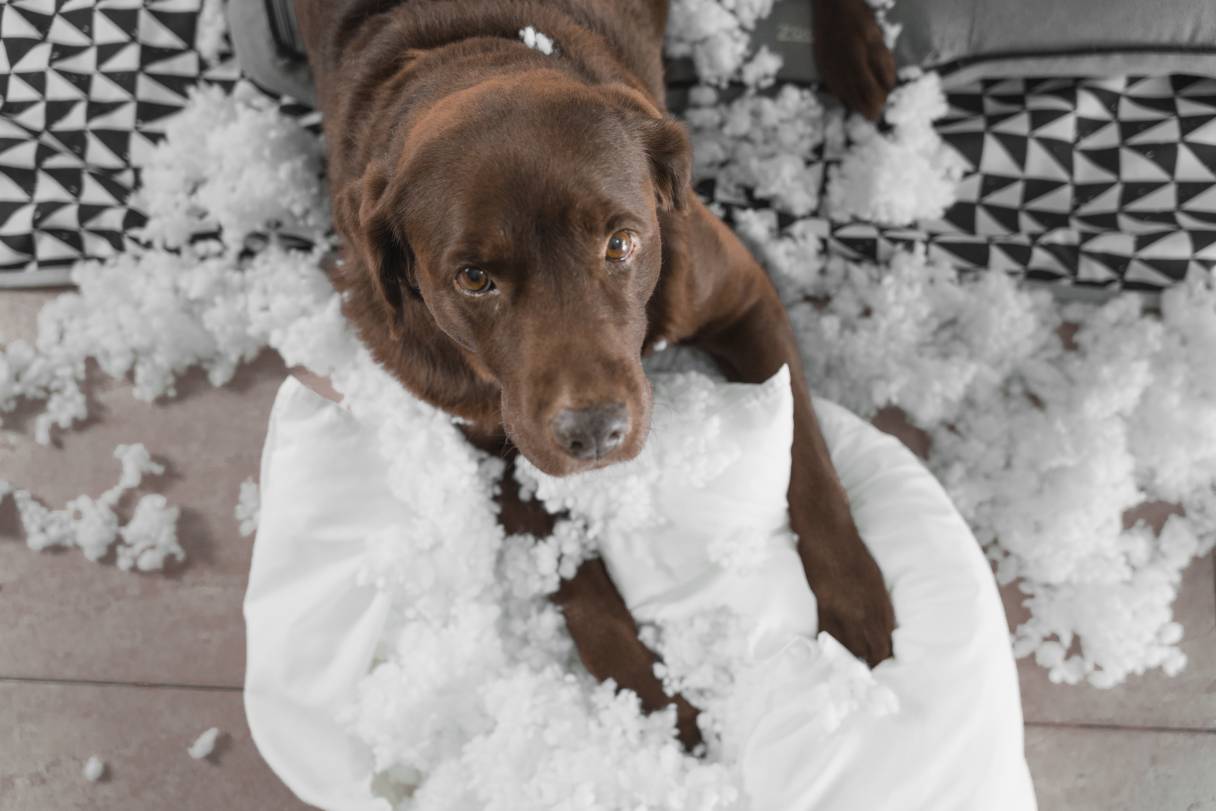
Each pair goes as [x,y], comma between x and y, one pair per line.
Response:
[593,49]
[371,53]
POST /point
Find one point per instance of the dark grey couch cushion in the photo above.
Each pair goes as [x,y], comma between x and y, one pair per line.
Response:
[998,38]
[978,39]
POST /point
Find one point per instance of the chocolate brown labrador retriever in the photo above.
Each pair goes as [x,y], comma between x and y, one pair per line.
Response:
[519,229]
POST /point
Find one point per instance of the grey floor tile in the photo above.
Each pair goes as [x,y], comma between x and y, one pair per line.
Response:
[47,731]
[1093,769]
[19,312]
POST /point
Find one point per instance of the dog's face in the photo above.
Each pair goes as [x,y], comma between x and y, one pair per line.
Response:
[524,217]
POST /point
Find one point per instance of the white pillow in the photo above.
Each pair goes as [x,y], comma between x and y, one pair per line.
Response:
[697,522]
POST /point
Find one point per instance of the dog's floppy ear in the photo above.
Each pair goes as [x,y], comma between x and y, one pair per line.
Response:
[364,215]
[670,155]
[665,141]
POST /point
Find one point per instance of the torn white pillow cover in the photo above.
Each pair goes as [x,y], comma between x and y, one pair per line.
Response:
[450,702]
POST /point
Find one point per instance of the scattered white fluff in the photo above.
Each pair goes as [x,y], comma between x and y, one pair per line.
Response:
[792,255]
[204,744]
[890,30]
[701,657]
[715,35]
[145,542]
[1046,469]
[149,539]
[536,40]
[583,727]
[917,335]
[246,167]
[766,145]
[150,315]
[94,769]
[248,506]
[230,162]
[212,29]
[898,177]
[634,508]
[475,666]
[1044,448]
[776,149]
[761,70]
[704,658]
[624,500]
[1172,433]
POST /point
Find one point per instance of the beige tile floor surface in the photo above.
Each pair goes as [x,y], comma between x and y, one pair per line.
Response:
[134,667]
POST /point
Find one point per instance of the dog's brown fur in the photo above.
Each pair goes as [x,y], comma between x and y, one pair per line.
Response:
[451,143]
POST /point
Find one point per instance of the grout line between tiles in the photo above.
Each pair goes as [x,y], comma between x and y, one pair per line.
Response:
[65,682]
[1092,727]
[213,688]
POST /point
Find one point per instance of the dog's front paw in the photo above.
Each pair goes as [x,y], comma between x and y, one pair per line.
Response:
[860,617]
[854,61]
[687,728]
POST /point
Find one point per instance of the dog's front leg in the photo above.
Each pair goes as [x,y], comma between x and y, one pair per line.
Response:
[599,622]
[607,640]
[748,333]
[852,55]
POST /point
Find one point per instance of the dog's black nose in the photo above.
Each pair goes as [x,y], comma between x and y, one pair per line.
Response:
[591,433]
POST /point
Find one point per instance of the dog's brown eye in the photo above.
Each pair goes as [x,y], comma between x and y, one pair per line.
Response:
[474,280]
[620,246]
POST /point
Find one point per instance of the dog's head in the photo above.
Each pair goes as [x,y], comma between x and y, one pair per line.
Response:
[523,215]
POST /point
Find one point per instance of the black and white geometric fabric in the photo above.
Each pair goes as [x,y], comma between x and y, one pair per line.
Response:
[1108,183]
[85,88]
[1104,181]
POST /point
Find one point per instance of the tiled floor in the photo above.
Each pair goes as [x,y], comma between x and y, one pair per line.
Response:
[93,660]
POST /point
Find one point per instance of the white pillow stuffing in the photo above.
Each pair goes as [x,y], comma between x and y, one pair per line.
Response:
[94,769]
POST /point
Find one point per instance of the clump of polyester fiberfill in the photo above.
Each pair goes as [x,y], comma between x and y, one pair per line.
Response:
[146,542]
[247,167]
[475,665]
[204,744]
[890,30]
[229,162]
[212,29]
[766,145]
[536,40]
[151,316]
[898,177]
[918,335]
[248,507]
[94,769]
[715,35]
[1046,466]
[792,255]
[1044,447]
